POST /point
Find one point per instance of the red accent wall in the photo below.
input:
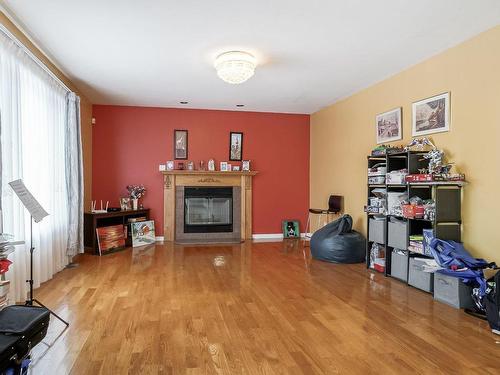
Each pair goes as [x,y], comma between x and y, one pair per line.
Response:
[130,142]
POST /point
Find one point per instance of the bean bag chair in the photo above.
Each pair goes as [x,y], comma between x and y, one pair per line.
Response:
[336,242]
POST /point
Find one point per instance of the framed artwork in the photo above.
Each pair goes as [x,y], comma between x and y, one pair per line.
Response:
[291,229]
[109,238]
[245,165]
[388,125]
[170,165]
[235,146]
[431,115]
[125,203]
[180,144]
[143,233]
[223,166]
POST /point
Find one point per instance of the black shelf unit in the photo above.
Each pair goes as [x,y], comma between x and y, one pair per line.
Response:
[447,195]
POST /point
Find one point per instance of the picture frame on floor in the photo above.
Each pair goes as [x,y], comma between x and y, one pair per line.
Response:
[180,144]
[291,229]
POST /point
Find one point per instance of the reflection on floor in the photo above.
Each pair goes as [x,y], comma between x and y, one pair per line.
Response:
[254,308]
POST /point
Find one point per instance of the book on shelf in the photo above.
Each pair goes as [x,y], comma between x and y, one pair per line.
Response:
[136,219]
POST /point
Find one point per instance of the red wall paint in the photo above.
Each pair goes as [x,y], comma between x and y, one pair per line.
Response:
[128,144]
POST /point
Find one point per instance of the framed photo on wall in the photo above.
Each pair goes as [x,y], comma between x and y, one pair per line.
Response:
[235,146]
[388,125]
[180,144]
[431,115]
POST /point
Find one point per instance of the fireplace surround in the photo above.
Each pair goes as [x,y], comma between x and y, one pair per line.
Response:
[207,206]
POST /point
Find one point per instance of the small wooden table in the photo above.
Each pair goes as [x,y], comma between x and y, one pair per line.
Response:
[92,221]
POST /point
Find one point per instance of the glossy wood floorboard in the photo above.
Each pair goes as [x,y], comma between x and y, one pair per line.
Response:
[255,308]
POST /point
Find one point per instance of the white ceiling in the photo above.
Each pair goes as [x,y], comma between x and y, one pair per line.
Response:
[311,53]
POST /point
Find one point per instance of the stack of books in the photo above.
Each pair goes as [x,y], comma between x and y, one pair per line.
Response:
[416,244]
[6,248]
[4,292]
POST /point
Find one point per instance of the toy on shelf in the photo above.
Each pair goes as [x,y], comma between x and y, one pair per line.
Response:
[420,144]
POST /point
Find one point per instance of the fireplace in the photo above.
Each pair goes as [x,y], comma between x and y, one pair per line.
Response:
[208,209]
[207,206]
[205,214]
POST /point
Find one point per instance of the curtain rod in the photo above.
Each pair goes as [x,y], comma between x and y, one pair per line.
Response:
[32,56]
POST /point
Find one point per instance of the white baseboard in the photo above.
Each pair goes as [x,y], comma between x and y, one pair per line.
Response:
[255,237]
[272,236]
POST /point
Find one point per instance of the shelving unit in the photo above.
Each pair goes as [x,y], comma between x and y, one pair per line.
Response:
[446,225]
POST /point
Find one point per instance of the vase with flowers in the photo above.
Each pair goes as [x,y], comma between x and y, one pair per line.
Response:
[136,192]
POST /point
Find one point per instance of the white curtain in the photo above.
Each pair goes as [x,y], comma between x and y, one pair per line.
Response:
[34,118]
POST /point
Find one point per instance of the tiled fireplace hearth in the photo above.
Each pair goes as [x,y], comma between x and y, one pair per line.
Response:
[207,207]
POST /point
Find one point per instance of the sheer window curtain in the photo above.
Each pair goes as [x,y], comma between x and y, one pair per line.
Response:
[40,143]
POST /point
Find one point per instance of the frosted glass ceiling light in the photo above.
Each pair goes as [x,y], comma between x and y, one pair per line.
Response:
[235,67]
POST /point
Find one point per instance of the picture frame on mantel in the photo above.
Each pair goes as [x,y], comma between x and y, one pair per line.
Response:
[180,144]
[235,146]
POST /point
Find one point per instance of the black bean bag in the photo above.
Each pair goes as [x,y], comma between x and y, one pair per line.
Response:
[336,242]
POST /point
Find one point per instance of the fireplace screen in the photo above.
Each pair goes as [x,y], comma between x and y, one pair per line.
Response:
[208,210]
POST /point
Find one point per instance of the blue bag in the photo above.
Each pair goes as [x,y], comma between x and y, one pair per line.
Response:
[451,254]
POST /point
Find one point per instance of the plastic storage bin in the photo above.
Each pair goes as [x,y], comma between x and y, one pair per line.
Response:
[452,291]
[376,232]
[398,234]
[399,266]
[418,278]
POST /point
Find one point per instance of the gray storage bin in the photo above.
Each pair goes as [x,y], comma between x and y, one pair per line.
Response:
[399,266]
[452,291]
[376,231]
[398,235]
[418,278]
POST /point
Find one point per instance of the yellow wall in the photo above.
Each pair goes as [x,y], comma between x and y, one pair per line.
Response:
[344,133]
[85,105]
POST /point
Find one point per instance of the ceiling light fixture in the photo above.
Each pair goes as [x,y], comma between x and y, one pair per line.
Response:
[235,66]
[183,102]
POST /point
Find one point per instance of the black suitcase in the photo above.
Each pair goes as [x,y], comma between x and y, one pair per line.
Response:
[21,328]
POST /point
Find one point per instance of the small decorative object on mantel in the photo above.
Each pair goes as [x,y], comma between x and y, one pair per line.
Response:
[201,166]
[236,168]
[170,165]
[180,144]
[235,146]
[223,166]
[180,166]
[229,167]
[190,166]
[136,192]
[389,126]
[431,115]
[245,165]
[211,165]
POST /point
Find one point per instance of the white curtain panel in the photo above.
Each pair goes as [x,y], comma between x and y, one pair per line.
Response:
[34,119]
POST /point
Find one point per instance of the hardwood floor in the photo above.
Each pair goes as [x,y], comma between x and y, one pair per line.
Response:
[255,308]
